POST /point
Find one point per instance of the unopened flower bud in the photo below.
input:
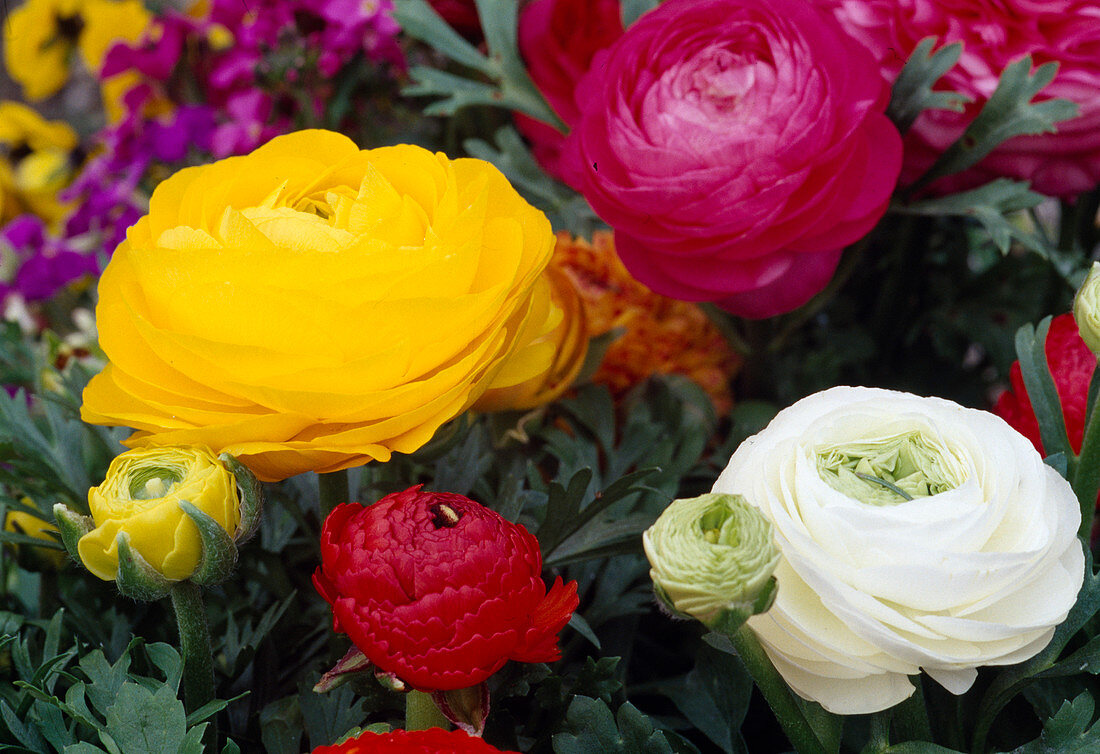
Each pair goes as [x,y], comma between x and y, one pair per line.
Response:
[712,559]
[163,515]
[1086,309]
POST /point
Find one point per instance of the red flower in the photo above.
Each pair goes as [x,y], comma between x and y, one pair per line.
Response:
[1071,364]
[431,741]
[439,590]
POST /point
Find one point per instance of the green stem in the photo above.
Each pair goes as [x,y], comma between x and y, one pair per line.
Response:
[911,717]
[332,489]
[198,664]
[422,713]
[777,693]
[1086,479]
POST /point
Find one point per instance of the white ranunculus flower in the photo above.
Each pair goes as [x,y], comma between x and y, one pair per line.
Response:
[915,535]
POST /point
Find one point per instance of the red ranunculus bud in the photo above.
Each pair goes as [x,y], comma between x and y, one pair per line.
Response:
[1071,365]
[438,589]
[431,741]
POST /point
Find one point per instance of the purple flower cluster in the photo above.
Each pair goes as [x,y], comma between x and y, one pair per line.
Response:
[44,264]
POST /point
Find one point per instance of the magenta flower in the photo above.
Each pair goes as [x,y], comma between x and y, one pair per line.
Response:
[736,147]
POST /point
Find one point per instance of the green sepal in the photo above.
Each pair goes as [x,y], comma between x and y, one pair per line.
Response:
[729,620]
[135,578]
[251,493]
[219,553]
[72,526]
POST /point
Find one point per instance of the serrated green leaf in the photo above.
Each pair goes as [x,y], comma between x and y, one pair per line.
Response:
[510,85]
[912,92]
[592,729]
[1069,731]
[1009,112]
[142,722]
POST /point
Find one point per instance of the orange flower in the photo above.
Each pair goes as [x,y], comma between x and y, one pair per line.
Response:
[663,335]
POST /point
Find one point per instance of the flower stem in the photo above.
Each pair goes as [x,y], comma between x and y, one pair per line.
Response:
[776,692]
[422,713]
[332,489]
[198,664]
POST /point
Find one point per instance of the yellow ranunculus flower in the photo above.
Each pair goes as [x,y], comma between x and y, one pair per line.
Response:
[140,497]
[311,306]
[41,36]
[570,341]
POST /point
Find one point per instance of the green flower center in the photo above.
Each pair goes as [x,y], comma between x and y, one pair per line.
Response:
[890,470]
[152,482]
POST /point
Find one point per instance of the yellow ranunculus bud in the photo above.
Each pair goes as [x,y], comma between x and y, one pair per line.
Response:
[1086,309]
[712,558]
[570,341]
[312,306]
[141,497]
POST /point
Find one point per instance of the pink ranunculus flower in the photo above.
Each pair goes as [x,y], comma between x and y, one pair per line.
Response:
[558,39]
[995,34]
[736,147]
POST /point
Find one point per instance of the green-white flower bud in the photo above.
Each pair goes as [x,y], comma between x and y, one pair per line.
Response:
[712,559]
[1086,309]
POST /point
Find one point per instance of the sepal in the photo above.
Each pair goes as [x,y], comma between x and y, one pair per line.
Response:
[466,708]
[72,526]
[135,577]
[251,494]
[353,663]
[219,553]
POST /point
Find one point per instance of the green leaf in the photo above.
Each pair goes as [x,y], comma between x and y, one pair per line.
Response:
[1008,113]
[510,86]
[920,747]
[989,204]
[912,92]
[714,697]
[591,729]
[633,10]
[141,722]
[1069,731]
[1031,351]
[580,625]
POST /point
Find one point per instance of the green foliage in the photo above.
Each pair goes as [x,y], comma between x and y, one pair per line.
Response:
[510,87]
[1071,730]
[1009,112]
[912,92]
[995,205]
[591,728]
[77,701]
